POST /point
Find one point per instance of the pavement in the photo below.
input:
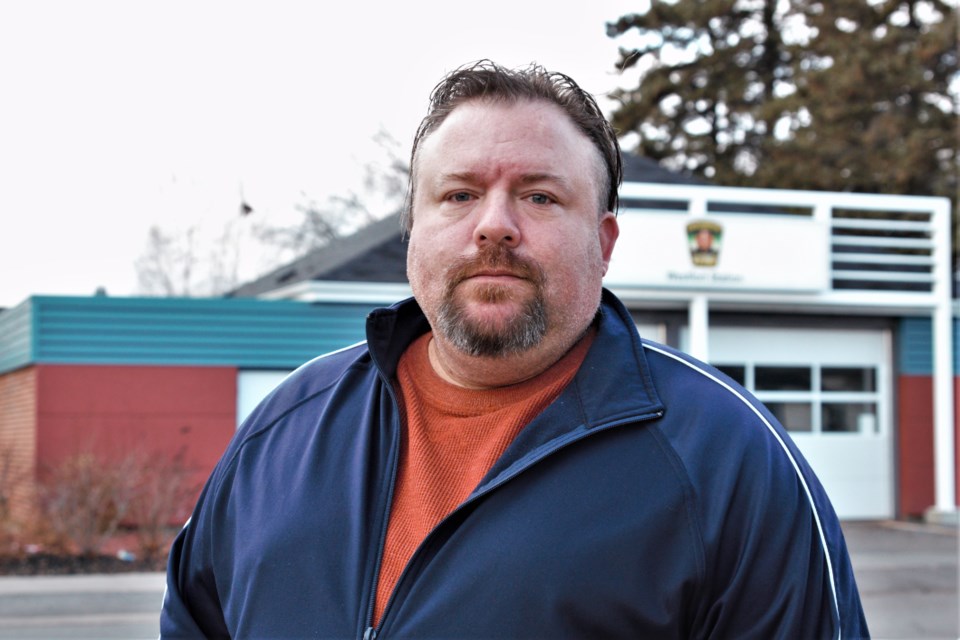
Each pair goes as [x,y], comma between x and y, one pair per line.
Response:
[907,574]
[81,607]
[908,578]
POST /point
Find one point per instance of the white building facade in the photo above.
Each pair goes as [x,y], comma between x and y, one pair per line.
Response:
[820,303]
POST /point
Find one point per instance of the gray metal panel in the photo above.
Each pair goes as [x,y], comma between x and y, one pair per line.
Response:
[16,347]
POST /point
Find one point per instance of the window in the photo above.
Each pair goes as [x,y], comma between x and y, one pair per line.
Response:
[782,378]
[849,417]
[848,379]
[811,398]
[794,416]
[737,373]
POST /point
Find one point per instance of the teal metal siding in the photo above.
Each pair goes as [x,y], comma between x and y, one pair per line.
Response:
[248,334]
[244,333]
[16,335]
[915,346]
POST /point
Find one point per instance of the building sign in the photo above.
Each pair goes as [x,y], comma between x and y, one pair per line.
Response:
[706,239]
[721,252]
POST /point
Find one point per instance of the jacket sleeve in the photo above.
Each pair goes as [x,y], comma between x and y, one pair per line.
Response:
[777,563]
[784,587]
[775,560]
[191,605]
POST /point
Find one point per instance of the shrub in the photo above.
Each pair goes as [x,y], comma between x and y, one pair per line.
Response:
[165,492]
[87,499]
[12,482]
[84,499]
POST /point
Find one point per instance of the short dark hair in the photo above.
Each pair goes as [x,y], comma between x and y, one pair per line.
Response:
[486,80]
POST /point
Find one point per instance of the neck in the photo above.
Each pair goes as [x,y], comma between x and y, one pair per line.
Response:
[473,372]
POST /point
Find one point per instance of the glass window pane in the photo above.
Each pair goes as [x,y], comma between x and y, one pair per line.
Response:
[783,379]
[848,379]
[794,416]
[850,417]
[736,371]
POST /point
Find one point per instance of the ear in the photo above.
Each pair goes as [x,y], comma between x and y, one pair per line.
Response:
[609,231]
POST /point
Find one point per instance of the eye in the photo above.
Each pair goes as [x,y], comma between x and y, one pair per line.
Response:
[459,196]
[540,198]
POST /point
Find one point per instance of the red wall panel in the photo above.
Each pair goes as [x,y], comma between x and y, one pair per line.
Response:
[915,444]
[114,411]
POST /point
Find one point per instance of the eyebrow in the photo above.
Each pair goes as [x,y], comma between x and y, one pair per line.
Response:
[454,176]
[528,178]
[531,178]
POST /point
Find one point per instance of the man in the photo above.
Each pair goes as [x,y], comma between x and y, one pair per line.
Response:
[503,457]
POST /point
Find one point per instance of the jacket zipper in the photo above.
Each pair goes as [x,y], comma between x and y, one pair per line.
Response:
[371,632]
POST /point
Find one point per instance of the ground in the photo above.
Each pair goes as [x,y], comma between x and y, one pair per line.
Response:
[115,557]
[54,564]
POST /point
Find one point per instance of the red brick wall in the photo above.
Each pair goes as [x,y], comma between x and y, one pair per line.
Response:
[18,441]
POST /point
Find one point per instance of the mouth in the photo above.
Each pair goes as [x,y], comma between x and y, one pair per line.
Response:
[495,274]
[495,268]
[494,280]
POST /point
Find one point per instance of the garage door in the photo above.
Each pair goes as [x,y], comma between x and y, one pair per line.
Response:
[831,389]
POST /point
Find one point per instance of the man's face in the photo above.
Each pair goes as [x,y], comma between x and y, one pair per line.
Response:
[507,249]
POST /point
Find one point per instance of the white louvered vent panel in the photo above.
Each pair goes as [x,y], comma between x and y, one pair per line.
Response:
[876,250]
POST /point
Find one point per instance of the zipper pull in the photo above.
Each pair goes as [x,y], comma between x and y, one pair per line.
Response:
[370,634]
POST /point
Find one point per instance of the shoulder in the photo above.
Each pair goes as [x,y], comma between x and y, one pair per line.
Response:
[759,506]
[283,415]
[308,381]
[705,401]
[734,451]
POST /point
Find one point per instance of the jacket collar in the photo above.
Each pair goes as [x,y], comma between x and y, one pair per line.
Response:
[613,384]
[614,381]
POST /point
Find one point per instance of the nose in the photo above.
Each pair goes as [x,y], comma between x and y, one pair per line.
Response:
[497,223]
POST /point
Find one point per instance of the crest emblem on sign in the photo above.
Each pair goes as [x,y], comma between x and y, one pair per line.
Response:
[705,239]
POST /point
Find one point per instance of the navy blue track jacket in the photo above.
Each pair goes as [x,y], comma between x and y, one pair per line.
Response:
[653,499]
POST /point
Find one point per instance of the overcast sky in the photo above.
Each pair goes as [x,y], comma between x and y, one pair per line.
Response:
[115,116]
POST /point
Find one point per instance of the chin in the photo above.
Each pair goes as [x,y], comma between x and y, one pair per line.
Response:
[494,330]
[494,314]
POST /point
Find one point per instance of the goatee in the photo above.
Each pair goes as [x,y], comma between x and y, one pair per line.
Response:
[477,337]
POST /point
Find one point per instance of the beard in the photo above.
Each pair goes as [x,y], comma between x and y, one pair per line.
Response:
[479,337]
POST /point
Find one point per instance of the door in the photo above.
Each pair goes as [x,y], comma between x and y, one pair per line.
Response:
[832,390]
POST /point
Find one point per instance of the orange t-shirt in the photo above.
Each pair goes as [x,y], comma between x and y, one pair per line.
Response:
[452,437]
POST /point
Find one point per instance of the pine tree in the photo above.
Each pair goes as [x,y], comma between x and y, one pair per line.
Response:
[873,96]
[708,71]
[850,95]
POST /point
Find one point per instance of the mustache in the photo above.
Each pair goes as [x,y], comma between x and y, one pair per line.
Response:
[494,258]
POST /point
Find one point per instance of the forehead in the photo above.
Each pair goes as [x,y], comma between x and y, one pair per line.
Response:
[532,135]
